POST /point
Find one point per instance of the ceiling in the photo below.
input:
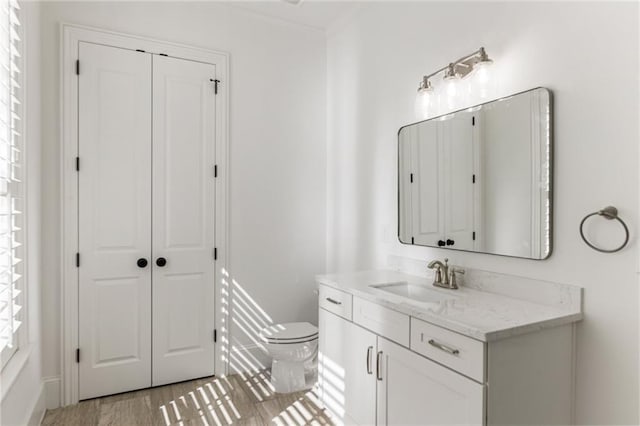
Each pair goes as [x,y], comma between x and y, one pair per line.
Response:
[319,14]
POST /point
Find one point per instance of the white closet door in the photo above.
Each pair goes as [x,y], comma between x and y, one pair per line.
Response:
[114,220]
[183,219]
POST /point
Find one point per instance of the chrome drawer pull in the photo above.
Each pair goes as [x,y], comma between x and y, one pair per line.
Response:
[335,302]
[369,349]
[379,366]
[444,347]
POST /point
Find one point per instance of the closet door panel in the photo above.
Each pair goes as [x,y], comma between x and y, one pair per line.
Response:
[183,219]
[427,190]
[114,220]
[457,137]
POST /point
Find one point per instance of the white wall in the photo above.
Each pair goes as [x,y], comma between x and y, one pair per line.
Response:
[23,399]
[277,146]
[587,53]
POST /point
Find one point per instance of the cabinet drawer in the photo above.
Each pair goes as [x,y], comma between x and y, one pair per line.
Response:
[383,321]
[335,301]
[460,353]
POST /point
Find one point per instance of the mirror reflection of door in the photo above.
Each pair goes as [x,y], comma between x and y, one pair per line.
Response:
[458,162]
[439,193]
[479,179]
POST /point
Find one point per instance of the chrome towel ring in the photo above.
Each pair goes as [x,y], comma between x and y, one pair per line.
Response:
[608,213]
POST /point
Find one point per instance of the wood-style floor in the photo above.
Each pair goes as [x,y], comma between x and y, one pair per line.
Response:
[216,401]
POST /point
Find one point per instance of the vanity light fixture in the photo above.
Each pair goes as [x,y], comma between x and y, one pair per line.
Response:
[475,65]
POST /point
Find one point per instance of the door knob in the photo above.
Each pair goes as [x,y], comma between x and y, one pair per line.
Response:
[161,261]
[441,243]
[142,262]
[450,242]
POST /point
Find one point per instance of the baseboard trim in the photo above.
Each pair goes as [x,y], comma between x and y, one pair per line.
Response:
[51,392]
[37,411]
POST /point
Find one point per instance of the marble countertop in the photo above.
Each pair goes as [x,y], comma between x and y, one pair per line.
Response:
[484,311]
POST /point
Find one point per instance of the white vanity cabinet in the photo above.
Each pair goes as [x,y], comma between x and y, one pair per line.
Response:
[378,366]
[413,390]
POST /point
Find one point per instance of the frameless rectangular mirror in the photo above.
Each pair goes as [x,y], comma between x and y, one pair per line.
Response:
[480,179]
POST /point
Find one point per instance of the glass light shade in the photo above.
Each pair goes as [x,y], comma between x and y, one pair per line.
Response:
[424,107]
[451,92]
[483,79]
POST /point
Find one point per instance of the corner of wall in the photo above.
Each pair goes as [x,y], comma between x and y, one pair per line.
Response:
[51,387]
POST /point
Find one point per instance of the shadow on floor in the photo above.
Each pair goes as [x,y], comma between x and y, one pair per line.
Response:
[243,399]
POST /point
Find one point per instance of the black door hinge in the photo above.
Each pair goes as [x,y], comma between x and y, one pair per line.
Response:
[473,236]
[473,121]
[215,336]
[77,260]
[141,51]
[77,164]
[215,253]
[215,170]
[77,66]
[473,180]
[163,54]
[215,82]
[411,177]
[412,240]
[78,355]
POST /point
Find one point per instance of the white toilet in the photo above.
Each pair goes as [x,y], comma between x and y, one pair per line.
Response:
[293,347]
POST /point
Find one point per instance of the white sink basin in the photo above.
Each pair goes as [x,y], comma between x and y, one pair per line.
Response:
[419,293]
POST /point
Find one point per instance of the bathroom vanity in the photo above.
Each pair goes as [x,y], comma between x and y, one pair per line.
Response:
[396,350]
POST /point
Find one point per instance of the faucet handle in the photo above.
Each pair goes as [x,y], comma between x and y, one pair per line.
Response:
[452,276]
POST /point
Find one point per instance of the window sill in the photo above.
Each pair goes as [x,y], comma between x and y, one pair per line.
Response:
[13,369]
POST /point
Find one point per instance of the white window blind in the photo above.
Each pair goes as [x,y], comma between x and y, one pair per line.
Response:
[11,187]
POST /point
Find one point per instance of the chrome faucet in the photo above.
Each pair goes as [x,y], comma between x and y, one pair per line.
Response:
[445,275]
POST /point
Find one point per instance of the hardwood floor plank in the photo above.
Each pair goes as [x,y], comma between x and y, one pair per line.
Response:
[214,401]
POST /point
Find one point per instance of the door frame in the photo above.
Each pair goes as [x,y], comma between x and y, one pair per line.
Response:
[70,37]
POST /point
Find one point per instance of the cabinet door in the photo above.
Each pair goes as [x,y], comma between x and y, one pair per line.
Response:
[347,370]
[183,219]
[114,213]
[414,390]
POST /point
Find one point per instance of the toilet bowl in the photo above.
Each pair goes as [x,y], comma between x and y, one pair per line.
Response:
[293,347]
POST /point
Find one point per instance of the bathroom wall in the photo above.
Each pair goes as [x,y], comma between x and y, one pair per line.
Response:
[587,54]
[277,148]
